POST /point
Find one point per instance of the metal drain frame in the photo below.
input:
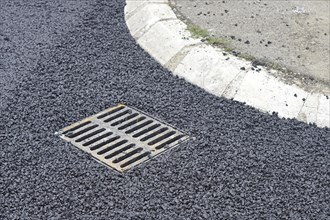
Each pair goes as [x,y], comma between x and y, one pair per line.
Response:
[122,137]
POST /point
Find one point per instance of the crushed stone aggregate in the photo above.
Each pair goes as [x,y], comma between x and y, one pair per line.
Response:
[66,60]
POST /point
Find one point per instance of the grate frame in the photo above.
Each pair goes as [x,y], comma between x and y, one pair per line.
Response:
[122,137]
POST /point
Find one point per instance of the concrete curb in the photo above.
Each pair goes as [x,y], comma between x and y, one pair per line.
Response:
[157,30]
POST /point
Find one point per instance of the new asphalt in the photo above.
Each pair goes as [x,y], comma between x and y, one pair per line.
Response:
[62,61]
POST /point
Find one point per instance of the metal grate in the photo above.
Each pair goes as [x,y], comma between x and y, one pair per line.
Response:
[122,137]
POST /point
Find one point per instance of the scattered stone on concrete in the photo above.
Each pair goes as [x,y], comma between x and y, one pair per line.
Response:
[293,24]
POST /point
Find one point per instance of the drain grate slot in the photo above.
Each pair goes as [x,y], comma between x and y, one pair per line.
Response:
[90,135]
[146,130]
[122,137]
[97,139]
[104,143]
[135,159]
[131,123]
[112,147]
[159,131]
[119,151]
[139,127]
[168,142]
[111,112]
[138,150]
[76,127]
[161,138]
[80,132]
[125,119]
[117,116]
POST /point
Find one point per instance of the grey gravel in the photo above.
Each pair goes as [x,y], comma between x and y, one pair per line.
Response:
[71,59]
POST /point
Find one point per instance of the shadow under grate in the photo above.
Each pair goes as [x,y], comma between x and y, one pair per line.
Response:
[122,137]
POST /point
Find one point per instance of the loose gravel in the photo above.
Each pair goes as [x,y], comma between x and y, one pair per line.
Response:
[71,59]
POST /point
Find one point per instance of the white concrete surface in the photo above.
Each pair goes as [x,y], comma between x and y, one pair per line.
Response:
[265,92]
[157,30]
[143,19]
[168,42]
[200,65]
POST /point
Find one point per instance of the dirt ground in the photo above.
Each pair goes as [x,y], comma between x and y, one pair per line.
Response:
[291,34]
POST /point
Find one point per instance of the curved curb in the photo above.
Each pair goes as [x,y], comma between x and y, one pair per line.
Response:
[157,30]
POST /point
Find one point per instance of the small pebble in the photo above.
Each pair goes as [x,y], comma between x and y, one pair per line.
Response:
[235,53]
[256,63]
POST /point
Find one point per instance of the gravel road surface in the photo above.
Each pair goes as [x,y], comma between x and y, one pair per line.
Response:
[64,60]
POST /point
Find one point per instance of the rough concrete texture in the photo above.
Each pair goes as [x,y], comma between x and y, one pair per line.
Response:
[222,73]
[294,34]
[243,164]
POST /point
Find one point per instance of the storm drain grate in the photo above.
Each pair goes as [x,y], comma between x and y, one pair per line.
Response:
[122,137]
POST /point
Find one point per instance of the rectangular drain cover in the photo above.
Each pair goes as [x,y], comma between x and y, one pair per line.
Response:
[122,137]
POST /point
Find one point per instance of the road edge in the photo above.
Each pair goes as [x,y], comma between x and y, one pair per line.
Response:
[156,28]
